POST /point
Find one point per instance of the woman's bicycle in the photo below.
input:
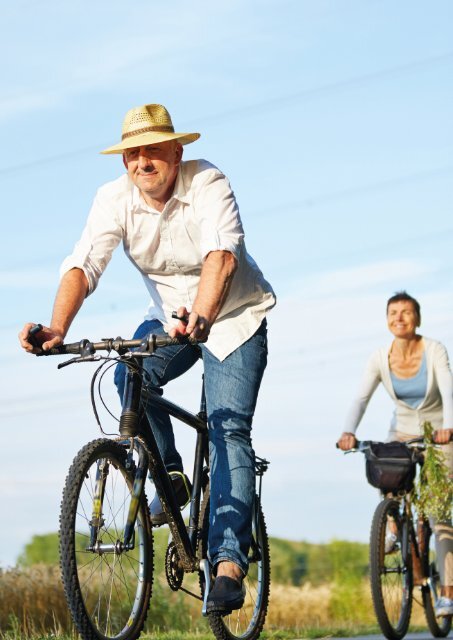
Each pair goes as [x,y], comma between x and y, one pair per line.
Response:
[106,541]
[402,552]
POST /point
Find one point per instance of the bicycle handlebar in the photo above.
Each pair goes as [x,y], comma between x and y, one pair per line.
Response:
[362,445]
[148,344]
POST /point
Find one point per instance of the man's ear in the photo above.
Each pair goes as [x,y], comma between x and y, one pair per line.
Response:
[179,152]
[124,160]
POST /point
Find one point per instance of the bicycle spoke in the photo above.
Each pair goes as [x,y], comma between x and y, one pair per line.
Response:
[113,583]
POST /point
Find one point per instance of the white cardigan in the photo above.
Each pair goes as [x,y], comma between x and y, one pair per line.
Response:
[436,407]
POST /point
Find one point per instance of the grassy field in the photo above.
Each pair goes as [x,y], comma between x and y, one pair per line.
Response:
[32,605]
[316,591]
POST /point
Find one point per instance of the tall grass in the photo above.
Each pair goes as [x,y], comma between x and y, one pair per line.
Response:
[32,605]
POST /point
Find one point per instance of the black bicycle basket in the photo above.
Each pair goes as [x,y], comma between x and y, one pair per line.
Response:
[390,466]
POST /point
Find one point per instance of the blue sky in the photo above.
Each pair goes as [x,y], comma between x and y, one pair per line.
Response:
[332,120]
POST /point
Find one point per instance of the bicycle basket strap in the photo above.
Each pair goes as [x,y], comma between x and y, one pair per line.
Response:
[390,466]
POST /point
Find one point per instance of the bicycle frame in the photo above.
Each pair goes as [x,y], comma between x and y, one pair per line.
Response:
[149,458]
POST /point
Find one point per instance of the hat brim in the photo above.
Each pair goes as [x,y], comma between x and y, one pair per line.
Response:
[151,137]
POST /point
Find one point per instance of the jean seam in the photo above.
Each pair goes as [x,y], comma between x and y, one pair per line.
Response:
[168,361]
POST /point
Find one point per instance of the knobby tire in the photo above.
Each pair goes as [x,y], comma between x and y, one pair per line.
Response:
[108,593]
[391,574]
[245,623]
[439,627]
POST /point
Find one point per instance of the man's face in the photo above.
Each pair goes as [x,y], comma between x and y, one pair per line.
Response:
[153,169]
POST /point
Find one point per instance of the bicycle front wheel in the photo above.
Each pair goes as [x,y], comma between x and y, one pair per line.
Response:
[107,585]
[245,623]
[390,571]
[439,627]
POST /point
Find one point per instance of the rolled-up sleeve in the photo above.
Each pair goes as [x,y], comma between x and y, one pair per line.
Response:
[444,379]
[218,214]
[100,237]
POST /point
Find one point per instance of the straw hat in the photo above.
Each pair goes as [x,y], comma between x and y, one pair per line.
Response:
[148,124]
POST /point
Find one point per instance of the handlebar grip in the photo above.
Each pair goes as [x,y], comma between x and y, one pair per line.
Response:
[63,349]
[166,341]
[31,334]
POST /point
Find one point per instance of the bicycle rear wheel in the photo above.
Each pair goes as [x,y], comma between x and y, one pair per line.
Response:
[390,573]
[439,627]
[107,587]
[245,623]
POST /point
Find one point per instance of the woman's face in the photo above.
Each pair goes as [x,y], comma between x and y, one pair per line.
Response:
[402,319]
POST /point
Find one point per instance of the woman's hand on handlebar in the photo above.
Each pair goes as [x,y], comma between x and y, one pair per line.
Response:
[41,340]
[347,441]
[442,436]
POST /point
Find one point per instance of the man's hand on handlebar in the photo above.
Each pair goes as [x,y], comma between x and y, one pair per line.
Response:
[347,441]
[190,324]
[36,338]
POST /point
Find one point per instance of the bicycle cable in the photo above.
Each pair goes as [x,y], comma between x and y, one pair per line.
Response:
[105,366]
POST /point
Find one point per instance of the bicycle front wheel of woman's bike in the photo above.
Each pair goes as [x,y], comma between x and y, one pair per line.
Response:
[390,570]
[439,627]
[245,623]
[107,584]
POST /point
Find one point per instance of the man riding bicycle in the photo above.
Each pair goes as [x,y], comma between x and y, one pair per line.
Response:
[180,226]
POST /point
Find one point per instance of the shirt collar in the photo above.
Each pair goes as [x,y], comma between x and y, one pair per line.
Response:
[180,190]
[179,193]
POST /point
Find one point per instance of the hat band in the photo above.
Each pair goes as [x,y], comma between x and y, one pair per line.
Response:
[137,132]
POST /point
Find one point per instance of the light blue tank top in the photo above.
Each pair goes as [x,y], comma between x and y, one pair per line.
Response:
[412,390]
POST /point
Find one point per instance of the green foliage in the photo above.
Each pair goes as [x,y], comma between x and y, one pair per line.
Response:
[42,549]
[433,491]
[293,563]
[297,563]
[348,561]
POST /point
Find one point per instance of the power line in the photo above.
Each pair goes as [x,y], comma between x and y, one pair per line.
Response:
[380,185]
[267,105]
[329,88]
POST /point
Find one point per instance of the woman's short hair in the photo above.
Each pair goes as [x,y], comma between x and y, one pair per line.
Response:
[403,296]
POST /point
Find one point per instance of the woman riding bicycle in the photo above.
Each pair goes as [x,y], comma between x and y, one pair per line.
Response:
[416,373]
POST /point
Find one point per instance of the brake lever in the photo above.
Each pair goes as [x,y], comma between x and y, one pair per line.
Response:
[79,359]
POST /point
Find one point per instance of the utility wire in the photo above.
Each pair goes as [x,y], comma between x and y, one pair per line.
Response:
[380,185]
[267,105]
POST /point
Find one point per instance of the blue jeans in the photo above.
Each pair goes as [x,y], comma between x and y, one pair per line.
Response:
[231,388]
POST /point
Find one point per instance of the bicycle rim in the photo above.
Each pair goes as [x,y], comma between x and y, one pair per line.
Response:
[439,627]
[107,587]
[247,623]
[390,573]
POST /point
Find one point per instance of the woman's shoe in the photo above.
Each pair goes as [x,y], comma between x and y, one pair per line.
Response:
[444,607]
[390,542]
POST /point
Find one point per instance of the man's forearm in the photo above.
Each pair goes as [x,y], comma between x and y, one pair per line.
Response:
[215,281]
[70,296]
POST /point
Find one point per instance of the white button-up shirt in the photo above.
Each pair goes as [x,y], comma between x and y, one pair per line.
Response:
[168,248]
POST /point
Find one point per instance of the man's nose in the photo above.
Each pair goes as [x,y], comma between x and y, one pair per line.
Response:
[143,161]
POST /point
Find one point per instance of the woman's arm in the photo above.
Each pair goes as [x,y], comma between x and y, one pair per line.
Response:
[370,381]
[444,380]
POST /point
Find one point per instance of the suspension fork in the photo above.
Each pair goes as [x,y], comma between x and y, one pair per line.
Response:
[136,494]
[97,520]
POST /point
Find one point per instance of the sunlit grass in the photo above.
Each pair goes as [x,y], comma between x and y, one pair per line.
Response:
[32,606]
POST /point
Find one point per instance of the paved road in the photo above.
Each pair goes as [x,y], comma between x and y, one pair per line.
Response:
[425,635]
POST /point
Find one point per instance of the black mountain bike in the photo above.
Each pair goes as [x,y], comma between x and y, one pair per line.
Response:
[410,560]
[106,541]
